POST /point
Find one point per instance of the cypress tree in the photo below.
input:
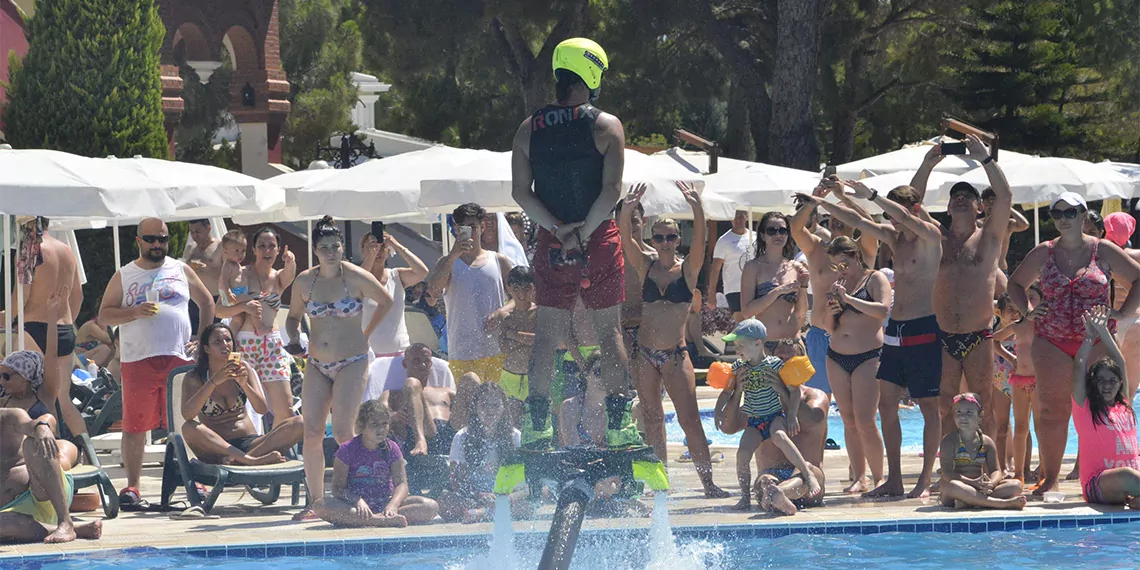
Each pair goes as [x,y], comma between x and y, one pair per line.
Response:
[90,83]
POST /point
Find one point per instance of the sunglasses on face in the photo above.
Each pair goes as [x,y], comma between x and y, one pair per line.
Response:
[1069,214]
[662,238]
[776,231]
[153,238]
[5,376]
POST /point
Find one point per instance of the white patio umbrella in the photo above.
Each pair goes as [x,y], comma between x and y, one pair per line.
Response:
[292,182]
[910,157]
[386,188]
[763,187]
[59,184]
[698,161]
[487,182]
[1044,179]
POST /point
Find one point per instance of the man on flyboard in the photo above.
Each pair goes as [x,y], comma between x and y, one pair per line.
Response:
[567,171]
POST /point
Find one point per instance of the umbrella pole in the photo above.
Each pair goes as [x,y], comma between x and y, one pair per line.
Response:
[8,283]
[444,235]
[115,236]
[309,242]
[19,299]
[1036,225]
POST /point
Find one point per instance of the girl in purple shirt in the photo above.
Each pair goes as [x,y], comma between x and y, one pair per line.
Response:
[370,485]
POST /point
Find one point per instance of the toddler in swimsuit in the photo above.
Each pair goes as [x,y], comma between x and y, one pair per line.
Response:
[970,473]
[1022,379]
[765,396]
[231,289]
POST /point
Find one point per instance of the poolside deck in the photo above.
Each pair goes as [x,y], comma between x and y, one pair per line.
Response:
[244,521]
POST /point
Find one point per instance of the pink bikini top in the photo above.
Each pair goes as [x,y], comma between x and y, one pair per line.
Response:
[1069,298]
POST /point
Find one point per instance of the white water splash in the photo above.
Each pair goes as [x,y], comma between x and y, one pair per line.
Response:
[666,554]
[503,535]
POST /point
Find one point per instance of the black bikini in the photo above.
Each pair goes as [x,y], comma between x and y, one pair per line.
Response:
[677,291]
[850,362]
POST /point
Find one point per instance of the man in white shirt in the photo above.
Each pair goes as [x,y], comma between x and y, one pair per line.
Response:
[400,381]
[732,251]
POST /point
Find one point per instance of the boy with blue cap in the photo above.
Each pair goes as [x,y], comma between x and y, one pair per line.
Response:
[766,397]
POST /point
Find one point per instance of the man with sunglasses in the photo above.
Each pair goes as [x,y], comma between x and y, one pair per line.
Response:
[967,275]
[148,300]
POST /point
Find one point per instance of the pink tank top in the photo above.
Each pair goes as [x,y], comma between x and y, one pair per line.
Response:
[1105,446]
[1068,299]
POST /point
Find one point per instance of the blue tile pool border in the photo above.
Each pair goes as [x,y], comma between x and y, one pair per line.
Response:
[396,545]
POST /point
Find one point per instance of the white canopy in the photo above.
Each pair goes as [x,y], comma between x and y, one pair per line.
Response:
[487,182]
[292,182]
[1043,179]
[698,161]
[79,192]
[910,158]
[385,188]
[763,186]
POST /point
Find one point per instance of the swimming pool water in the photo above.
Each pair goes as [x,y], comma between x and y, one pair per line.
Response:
[1107,546]
[911,421]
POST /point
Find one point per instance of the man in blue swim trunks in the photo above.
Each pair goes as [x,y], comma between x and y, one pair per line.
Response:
[34,491]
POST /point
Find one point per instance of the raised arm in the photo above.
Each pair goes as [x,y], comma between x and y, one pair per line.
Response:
[696,257]
[881,232]
[1092,319]
[996,225]
[922,175]
[629,242]
[288,273]
[915,224]
[1017,221]
[416,270]
[805,240]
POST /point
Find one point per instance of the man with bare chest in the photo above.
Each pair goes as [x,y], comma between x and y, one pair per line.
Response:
[203,254]
[963,293]
[912,355]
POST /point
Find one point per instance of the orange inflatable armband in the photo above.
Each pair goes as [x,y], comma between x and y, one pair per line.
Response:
[719,375]
[796,371]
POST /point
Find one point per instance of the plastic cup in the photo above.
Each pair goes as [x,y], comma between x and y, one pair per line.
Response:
[152,295]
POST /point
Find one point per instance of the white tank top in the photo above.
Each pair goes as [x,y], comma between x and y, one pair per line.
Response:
[166,333]
[473,294]
[391,335]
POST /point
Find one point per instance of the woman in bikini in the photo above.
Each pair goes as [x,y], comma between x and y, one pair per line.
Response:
[391,336]
[258,338]
[332,295]
[1074,272]
[853,357]
[772,286]
[214,395]
[663,359]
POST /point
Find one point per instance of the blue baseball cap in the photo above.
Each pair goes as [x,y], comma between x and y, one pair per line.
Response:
[748,328]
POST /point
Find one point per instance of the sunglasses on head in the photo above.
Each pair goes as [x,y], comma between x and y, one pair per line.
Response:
[662,238]
[152,238]
[772,231]
[1069,214]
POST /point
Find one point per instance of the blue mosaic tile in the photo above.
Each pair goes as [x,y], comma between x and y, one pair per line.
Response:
[1031,524]
[236,552]
[942,527]
[907,527]
[334,550]
[851,529]
[314,549]
[216,552]
[1100,521]
[1086,522]
[869,529]
[959,527]
[295,550]
[923,527]
[1048,523]
[276,551]
[372,548]
[833,530]
[255,551]
[353,548]
[1068,523]
[1013,525]
[996,525]
[889,527]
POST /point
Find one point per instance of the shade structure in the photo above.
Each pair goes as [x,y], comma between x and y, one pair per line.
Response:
[910,158]
[698,161]
[79,192]
[386,188]
[763,187]
[1044,179]
[487,182]
[292,182]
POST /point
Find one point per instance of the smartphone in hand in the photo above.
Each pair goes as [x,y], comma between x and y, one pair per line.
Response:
[953,148]
[378,231]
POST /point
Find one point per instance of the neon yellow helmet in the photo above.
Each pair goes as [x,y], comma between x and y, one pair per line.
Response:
[584,57]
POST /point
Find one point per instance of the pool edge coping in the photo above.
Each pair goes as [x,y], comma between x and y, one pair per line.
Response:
[760,529]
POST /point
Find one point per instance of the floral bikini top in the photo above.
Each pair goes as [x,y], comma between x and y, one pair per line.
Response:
[212,409]
[1068,299]
[348,306]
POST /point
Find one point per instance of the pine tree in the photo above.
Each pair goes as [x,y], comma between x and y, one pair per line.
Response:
[90,83]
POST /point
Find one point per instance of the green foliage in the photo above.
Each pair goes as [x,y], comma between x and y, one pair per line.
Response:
[89,84]
[320,47]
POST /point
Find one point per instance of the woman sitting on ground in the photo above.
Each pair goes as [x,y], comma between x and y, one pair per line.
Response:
[1105,422]
[370,481]
[477,452]
[218,429]
[971,476]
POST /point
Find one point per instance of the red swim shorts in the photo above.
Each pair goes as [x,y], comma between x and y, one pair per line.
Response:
[144,392]
[559,285]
